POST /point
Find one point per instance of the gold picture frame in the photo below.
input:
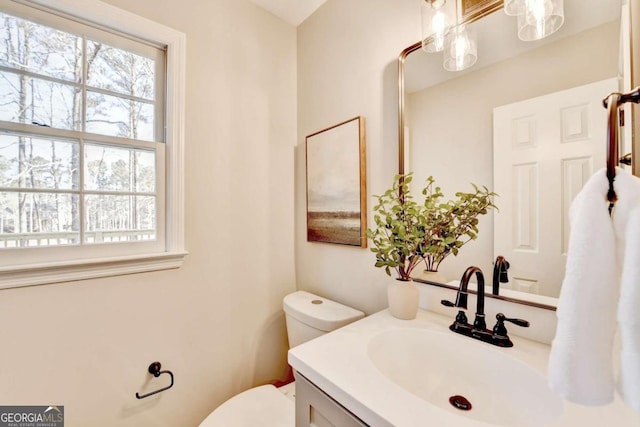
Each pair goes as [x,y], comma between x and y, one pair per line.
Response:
[336,184]
[470,10]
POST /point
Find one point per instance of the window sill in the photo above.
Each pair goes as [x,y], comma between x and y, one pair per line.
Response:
[68,271]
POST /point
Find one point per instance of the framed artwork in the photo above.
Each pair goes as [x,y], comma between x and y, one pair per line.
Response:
[336,184]
[471,9]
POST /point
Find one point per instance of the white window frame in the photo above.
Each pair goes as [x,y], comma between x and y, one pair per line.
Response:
[94,11]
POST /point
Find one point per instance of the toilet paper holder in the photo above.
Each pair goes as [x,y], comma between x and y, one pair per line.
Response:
[154,369]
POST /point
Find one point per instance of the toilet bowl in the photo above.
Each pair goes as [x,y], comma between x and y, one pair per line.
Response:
[307,316]
[260,406]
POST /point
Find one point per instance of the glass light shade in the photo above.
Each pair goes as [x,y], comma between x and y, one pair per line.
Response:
[514,7]
[437,18]
[540,19]
[461,49]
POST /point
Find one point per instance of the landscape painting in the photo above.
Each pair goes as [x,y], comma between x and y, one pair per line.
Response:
[336,192]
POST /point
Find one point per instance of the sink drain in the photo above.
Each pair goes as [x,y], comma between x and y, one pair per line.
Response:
[460,402]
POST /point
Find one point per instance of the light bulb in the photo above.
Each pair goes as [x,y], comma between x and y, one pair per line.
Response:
[437,16]
[462,51]
[439,27]
[538,10]
[458,50]
[540,19]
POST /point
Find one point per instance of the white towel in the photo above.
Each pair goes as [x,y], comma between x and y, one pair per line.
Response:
[581,360]
[627,226]
[629,316]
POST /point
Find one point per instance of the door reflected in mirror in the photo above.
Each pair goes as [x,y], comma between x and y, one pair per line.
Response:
[526,121]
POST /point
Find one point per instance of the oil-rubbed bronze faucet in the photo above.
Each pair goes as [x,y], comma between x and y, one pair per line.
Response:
[500,268]
[498,336]
[461,298]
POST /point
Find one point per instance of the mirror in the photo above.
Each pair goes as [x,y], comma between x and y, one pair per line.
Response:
[447,130]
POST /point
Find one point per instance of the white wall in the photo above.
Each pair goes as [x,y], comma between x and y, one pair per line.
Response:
[347,66]
[216,322]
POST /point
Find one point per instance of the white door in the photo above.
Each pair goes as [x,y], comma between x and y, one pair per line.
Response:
[544,150]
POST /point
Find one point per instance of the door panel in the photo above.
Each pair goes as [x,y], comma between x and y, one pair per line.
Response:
[545,149]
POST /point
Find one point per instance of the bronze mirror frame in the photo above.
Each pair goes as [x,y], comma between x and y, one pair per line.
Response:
[487,8]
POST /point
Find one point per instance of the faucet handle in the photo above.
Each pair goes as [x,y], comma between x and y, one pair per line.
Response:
[519,322]
[461,300]
[499,328]
[461,317]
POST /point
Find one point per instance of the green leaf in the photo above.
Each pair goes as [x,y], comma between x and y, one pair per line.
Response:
[407,233]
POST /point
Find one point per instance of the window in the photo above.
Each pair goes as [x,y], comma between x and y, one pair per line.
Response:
[90,151]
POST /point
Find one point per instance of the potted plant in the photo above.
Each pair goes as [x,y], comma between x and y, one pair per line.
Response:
[407,233]
[398,240]
[451,224]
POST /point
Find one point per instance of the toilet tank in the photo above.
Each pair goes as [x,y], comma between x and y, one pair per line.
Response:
[308,316]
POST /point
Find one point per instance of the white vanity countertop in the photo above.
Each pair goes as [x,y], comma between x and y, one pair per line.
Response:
[338,363]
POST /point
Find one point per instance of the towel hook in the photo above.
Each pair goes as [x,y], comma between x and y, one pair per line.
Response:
[154,369]
[612,102]
[633,96]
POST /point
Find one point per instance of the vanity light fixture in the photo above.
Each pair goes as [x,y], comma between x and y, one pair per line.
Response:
[537,19]
[441,32]
[438,16]
[462,49]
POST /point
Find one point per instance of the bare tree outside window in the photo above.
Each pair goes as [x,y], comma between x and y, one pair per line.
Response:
[70,188]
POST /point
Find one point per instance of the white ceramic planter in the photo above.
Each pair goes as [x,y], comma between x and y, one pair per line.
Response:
[433,276]
[403,297]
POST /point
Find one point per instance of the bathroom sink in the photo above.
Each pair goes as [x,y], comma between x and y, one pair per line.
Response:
[465,377]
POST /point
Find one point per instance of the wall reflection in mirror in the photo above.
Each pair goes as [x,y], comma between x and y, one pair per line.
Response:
[526,121]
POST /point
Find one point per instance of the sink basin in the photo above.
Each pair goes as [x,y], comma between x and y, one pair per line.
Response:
[435,366]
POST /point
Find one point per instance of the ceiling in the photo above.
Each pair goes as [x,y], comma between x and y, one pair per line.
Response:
[291,11]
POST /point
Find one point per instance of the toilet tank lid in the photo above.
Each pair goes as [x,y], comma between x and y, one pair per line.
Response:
[318,312]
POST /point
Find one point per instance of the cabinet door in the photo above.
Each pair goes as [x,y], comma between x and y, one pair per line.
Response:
[314,408]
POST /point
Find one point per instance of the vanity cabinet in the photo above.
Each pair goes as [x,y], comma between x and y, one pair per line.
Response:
[317,409]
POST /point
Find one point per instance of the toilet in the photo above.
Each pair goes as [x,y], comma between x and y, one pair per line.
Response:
[307,316]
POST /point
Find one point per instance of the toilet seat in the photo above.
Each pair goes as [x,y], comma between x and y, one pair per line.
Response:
[254,407]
